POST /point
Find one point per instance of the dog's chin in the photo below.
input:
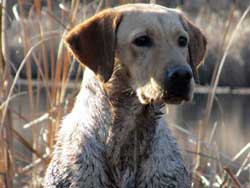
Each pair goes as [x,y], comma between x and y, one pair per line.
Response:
[166,99]
[172,96]
[177,98]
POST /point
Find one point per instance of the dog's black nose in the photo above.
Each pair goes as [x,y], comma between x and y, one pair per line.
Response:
[178,85]
[179,74]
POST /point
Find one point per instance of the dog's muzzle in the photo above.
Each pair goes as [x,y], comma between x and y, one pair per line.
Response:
[177,84]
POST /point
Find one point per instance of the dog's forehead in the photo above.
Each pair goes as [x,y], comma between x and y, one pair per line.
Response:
[143,8]
[149,16]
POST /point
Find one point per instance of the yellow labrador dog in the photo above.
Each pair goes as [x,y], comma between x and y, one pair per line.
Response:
[138,58]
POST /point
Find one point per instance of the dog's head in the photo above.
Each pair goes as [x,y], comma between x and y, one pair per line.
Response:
[159,47]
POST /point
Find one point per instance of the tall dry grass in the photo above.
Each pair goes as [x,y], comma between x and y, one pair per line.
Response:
[39,82]
[25,166]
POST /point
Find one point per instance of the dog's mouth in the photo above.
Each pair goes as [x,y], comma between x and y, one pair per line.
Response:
[171,94]
[175,99]
[178,95]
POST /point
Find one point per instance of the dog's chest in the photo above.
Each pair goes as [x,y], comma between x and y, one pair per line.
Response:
[133,154]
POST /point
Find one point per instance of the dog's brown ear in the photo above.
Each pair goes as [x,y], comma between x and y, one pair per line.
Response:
[93,42]
[197,45]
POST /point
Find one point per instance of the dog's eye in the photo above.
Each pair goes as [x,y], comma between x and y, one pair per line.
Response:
[182,41]
[143,41]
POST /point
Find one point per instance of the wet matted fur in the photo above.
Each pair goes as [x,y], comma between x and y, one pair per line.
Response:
[115,135]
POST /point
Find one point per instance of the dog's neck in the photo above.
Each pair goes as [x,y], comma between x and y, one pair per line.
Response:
[132,124]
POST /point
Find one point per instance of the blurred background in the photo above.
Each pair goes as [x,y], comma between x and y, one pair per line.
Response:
[39,81]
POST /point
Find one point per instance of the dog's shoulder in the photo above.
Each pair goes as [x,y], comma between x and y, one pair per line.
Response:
[80,140]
